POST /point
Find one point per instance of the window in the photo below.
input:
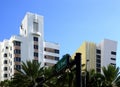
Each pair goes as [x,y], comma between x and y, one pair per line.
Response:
[113,58]
[5,75]
[98,61]
[48,64]
[35,38]
[56,51]
[113,64]
[113,53]
[98,65]
[17,59]
[18,67]
[35,54]
[35,26]
[6,47]
[51,50]
[17,43]
[35,46]
[98,70]
[98,51]
[21,27]
[5,62]
[17,51]
[5,68]
[5,55]
[56,58]
[98,56]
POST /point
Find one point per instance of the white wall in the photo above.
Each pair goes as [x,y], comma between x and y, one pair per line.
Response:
[106,47]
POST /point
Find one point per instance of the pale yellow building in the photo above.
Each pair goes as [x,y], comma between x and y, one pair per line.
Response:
[94,56]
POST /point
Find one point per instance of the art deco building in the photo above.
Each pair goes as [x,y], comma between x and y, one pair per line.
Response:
[29,45]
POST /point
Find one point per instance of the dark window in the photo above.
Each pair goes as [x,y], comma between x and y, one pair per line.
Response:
[18,67]
[98,61]
[56,58]
[98,65]
[17,59]
[113,64]
[35,54]
[35,38]
[17,51]
[5,68]
[113,53]
[5,55]
[5,61]
[17,43]
[5,75]
[56,51]
[44,49]
[6,47]
[98,56]
[35,46]
[21,26]
[45,64]
[113,58]
[98,70]
[51,50]
[98,51]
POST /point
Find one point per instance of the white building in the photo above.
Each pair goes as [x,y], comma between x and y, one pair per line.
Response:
[107,51]
[95,56]
[29,45]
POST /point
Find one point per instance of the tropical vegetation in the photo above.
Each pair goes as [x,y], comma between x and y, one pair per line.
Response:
[33,75]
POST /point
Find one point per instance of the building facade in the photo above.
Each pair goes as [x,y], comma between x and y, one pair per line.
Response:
[95,56]
[29,45]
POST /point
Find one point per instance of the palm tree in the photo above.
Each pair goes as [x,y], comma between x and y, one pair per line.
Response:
[92,79]
[111,75]
[64,78]
[27,76]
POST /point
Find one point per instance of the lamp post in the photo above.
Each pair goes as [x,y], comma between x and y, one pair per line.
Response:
[86,71]
[78,70]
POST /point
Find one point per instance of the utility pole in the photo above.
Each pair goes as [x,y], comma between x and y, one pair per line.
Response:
[78,70]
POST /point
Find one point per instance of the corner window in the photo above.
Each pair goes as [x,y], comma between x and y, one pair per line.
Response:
[18,67]
[17,59]
[35,54]
[113,53]
[17,51]
[113,58]
[98,51]
[56,51]
[35,46]
[57,58]
[35,38]
[98,56]
[17,43]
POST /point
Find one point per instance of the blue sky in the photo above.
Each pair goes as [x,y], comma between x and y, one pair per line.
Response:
[67,22]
